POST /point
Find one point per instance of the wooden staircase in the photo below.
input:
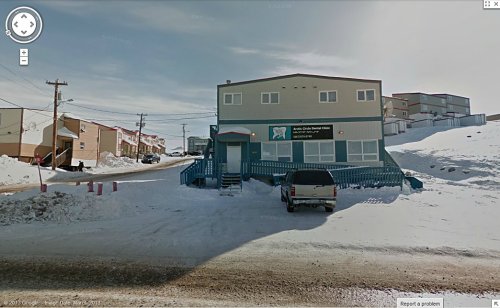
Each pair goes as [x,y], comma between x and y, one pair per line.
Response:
[230,184]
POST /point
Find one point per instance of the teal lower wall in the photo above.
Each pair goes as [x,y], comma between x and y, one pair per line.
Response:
[252,151]
[381,149]
[341,151]
[255,151]
[298,151]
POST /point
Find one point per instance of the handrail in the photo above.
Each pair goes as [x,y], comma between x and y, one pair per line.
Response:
[344,175]
[200,168]
[61,158]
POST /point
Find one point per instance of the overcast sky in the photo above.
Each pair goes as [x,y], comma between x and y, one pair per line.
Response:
[167,57]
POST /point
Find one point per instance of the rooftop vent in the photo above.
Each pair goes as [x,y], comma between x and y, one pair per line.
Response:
[228,81]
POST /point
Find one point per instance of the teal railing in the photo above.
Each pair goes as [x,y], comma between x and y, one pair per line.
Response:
[389,161]
[199,169]
[344,175]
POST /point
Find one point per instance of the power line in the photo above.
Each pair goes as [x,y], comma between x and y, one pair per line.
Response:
[101,110]
[25,79]
[179,119]
[19,106]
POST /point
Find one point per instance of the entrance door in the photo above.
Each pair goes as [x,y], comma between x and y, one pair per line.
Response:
[233,158]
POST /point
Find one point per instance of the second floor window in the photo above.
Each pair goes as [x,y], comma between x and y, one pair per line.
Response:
[270,98]
[232,99]
[365,95]
[328,96]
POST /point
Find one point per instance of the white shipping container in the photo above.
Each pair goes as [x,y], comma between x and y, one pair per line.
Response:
[402,126]
[472,120]
[391,129]
[421,116]
[422,123]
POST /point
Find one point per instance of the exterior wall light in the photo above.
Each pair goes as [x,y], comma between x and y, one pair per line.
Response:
[341,132]
[253,134]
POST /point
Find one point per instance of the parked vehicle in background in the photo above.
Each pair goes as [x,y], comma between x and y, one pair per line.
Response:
[176,154]
[310,188]
[150,158]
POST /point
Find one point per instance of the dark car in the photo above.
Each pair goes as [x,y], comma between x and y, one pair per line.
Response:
[309,188]
[150,158]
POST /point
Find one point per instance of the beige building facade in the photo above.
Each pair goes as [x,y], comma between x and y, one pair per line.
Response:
[301,118]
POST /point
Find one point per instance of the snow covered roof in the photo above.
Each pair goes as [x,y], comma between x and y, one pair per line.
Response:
[146,143]
[75,117]
[129,142]
[64,132]
[235,129]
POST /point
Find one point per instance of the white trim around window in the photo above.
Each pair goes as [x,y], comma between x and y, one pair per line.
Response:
[319,151]
[233,99]
[365,95]
[270,98]
[328,96]
[277,151]
[362,150]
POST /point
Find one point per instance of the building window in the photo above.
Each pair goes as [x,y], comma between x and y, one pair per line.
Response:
[450,107]
[404,104]
[319,151]
[365,95]
[405,113]
[328,96]
[270,98]
[467,110]
[424,107]
[424,97]
[277,151]
[232,98]
[82,145]
[362,150]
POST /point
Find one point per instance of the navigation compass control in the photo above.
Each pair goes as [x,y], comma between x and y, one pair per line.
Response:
[23,25]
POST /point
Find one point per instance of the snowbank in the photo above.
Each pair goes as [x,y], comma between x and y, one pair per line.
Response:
[14,172]
[109,161]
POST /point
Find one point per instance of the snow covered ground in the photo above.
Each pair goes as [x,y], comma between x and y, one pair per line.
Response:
[152,217]
[14,172]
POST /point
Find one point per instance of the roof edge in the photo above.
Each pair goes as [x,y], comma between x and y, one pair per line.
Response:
[296,75]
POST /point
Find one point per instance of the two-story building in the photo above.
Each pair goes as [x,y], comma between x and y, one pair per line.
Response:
[25,133]
[395,107]
[197,144]
[300,118]
[456,104]
[424,103]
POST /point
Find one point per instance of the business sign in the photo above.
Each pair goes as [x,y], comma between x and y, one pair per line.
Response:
[312,132]
[301,132]
[280,133]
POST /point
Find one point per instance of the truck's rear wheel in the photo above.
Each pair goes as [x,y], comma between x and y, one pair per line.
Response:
[289,206]
[328,209]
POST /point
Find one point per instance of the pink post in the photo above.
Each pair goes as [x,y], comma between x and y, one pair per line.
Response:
[91,186]
[43,187]
[99,189]
[115,186]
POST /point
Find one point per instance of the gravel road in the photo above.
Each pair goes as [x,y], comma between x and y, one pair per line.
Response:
[241,278]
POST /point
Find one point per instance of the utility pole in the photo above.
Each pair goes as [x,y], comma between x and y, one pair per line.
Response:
[141,124]
[56,85]
[183,138]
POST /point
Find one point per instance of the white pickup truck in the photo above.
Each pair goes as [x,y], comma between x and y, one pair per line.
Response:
[311,188]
